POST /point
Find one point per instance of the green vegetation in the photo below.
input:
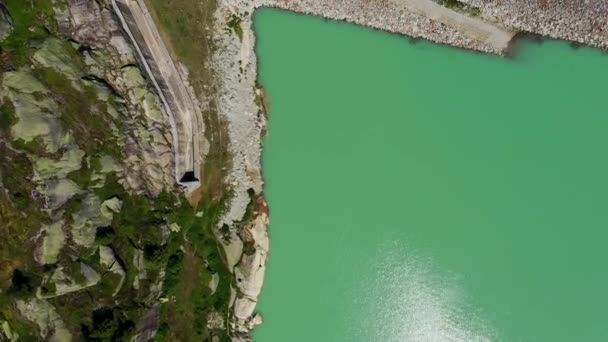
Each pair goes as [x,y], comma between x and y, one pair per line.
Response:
[183,22]
[35,146]
[189,258]
[15,172]
[250,214]
[82,176]
[234,24]
[81,112]
[19,273]
[7,116]
[33,22]
[460,6]
[133,232]
[452,3]
[191,303]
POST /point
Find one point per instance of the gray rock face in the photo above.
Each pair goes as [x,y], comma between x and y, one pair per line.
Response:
[88,218]
[37,116]
[6,23]
[52,243]
[46,318]
[148,164]
[64,280]
[107,258]
[86,20]
[53,54]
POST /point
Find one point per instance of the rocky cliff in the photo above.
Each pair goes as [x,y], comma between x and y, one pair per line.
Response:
[95,231]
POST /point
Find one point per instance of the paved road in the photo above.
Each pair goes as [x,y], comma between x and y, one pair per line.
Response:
[177,98]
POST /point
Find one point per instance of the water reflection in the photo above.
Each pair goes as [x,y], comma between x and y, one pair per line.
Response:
[406,298]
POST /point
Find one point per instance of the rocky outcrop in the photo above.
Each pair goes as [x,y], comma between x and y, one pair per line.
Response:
[50,325]
[138,262]
[6,23]
[53,54]
[92,214]
[37,116]
[111,59]
[88,22]
[235,66]
[108,259]
[66,280]
[148,154]
[249,273]
[83,137]
[53,239]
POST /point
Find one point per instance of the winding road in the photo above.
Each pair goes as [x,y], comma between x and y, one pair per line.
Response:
[177,97]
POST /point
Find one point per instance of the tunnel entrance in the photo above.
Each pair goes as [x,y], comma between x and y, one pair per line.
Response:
[188,177]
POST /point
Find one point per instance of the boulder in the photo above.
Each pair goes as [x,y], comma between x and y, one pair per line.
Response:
[233,248]
[88,23]
[59,191]
[47,168]
[88,218]
[52,243]
[110,207]
[138,262]
[54,53]
[36,112]
[250,270]
[107,258]
[44,315]
[65,282]
[214,282]
[98,177]
[8,332]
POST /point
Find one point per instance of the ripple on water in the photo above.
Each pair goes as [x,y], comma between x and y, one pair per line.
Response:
[408,299]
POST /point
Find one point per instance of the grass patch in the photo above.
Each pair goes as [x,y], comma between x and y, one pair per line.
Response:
[82,176]
[127,233]
[460,7]
[93,313]
[182,22]
[21,219]
[7,116]
[186,26]
[234,25]
[34,21]
[35,146]
[15,172]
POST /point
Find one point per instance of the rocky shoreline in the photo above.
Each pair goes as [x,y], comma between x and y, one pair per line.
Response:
[494,28]
[583,22]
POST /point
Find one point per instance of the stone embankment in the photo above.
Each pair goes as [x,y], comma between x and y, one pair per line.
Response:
[418,19]
[581,21]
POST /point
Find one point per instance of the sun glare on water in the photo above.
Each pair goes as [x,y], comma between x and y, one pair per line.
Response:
[407,300]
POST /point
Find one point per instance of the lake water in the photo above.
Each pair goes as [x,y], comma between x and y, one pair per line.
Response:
[424,193]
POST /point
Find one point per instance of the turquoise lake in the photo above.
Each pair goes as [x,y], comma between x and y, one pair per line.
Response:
[424,193]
